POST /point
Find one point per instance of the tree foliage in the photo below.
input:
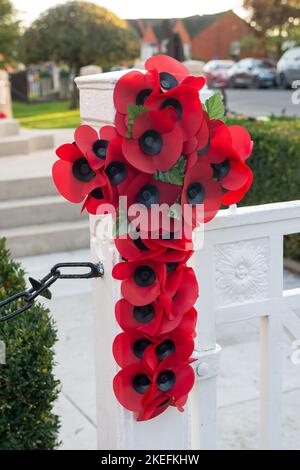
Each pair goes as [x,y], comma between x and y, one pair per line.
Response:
[79,33]
[273,18]
[9,33]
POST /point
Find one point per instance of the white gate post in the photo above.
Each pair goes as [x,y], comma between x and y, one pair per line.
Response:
[117,428]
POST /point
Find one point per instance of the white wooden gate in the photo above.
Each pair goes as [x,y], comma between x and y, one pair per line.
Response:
[240,271]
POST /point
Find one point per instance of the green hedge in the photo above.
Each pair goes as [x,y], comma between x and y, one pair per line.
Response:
[28,388]
[276,165]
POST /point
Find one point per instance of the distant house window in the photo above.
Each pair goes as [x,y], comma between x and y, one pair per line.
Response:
[235,48]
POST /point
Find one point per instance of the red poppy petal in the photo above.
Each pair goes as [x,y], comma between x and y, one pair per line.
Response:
[195,82]
[170,152]
[85,136]
[190,145]
[121,124]
[241,141]
[164,63]
[108,133]
[220,146]
[183,302]
[233,197]
[237,176]
[68,152]
[139,295]
[122,270]
[189,321]
[123,389]
[155,120]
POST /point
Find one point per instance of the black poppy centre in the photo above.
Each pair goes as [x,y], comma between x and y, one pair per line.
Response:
[140,346]
[82,170]
[221,169]
[148,195]
[166,380]
[141,383]
[151,142]
[164,349]
[173,103]
[144,276]
[167,81]
[97,193]
[195,193]
[142,96]
[144,314]
[116,172]
[100,148]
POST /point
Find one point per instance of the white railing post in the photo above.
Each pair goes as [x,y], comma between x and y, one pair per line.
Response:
[117,428]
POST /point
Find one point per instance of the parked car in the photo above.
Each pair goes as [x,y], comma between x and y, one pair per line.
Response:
[253,73]
[288,68]
[216,72]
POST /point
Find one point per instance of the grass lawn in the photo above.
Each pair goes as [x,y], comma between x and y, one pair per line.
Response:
[46,115]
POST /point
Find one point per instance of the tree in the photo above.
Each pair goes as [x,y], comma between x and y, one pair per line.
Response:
[273,19]
[28,387]
[79,33]
[9,33]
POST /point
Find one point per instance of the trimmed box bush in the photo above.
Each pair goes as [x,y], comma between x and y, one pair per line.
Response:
[28,388]
[276,165]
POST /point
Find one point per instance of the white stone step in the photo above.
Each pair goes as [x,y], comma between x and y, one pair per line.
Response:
[47,238]
[19,188]
[26,142]
[36,211]
[9,127]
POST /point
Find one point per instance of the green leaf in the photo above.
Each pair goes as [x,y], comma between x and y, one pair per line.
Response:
[121,225]
[175,175]
[133,111]
[214,106]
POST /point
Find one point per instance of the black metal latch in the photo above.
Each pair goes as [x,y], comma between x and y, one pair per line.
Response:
[41,287]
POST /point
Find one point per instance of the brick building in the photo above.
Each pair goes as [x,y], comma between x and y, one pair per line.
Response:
[203,37]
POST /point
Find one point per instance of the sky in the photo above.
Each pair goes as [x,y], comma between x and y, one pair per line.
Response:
[30,9]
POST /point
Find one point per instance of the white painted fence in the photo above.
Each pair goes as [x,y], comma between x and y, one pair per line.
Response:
[240,272]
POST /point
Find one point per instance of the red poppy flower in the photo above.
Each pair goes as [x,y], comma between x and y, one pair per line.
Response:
[142,281]
[73,175]
[171,72]
[156,142]
[134,88]
[142,194]
[174,378]
[180,293]
[228,160]
[3,116]
[130,384]
[94,144]
[134,347]
[119,172]
[199,188]
[186,103]
[151,319]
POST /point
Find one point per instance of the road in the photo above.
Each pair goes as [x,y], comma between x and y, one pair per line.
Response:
[262,102]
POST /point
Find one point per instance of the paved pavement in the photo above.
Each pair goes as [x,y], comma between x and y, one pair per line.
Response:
[263,102]
[238,382]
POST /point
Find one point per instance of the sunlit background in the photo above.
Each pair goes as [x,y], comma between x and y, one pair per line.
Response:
[30,9]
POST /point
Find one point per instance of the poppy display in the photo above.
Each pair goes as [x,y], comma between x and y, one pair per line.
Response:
[174,162]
